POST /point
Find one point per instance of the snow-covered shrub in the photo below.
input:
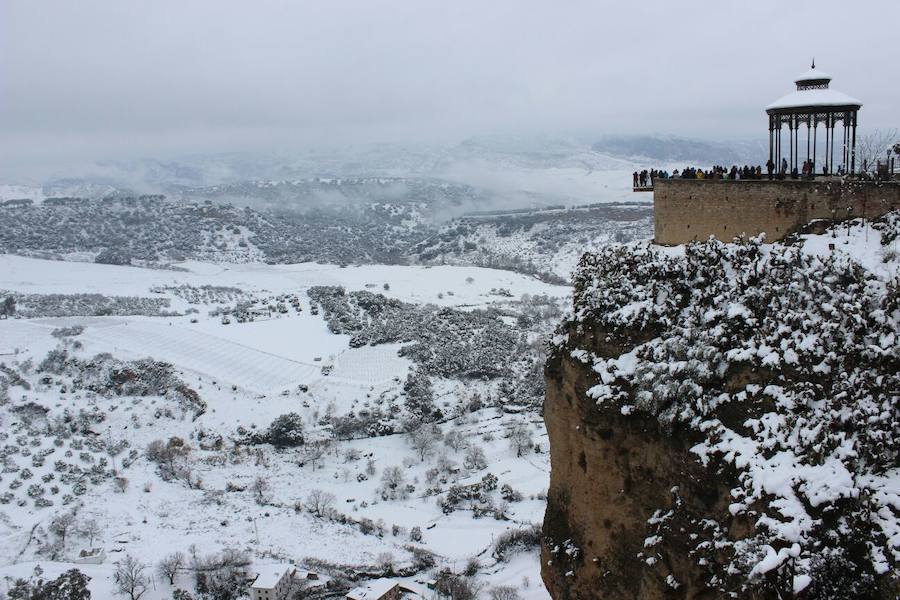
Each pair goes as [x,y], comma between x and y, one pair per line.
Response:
[168,456]
[415,534]
[446,342]
[420,397]
[286,431]
[512,541]
[803,347]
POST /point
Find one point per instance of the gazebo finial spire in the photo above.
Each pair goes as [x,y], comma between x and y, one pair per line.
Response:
[814,62]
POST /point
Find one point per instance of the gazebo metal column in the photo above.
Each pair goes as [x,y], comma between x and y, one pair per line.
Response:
[831,148]
[815,130]
[808,134]
[791,144]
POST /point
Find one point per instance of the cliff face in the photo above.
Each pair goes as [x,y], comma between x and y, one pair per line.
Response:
[707,442]
[610,474]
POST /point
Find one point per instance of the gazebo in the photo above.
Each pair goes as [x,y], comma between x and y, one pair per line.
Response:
[813,102]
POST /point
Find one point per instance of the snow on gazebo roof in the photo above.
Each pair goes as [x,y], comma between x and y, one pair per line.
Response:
[813,74]
[814,98]
[813,92]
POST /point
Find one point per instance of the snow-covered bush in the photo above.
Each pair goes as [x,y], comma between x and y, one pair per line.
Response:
[803,347]
[286,431]
[446,342]
[512,541]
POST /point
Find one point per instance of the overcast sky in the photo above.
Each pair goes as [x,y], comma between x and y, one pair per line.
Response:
[107,79]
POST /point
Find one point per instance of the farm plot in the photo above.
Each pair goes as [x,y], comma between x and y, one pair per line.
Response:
[371,365]
[205,354]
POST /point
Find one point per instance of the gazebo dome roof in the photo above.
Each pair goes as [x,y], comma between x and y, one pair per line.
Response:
[813,74]
[813,92]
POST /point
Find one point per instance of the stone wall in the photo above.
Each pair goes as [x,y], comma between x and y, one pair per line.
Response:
[689,209]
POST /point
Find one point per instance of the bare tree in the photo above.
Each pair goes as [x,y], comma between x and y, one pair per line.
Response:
[320,502]
[872,146]
[504,592]
[90,529]
[475,458]
[314,451]
[457,587]
[520,439]
[385,562]
[130,579]
[422,440]
[260,489]
[60,526]
[454,440]
[392,477]
[170,565]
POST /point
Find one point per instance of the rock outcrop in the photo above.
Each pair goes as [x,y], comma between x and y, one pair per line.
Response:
[724,423]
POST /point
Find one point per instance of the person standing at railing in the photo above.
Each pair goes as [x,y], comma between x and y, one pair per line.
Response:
[770,167]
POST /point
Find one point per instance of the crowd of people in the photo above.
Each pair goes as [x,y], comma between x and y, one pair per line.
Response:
[807,170]
[646,178]
[735,173]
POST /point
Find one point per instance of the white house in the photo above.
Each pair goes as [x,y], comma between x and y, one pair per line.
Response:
[272,582]
[94,556]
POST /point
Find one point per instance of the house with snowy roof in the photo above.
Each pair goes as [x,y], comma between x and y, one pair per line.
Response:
[383,589]
[272,582]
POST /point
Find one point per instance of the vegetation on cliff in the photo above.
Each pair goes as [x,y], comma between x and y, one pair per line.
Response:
[780,364]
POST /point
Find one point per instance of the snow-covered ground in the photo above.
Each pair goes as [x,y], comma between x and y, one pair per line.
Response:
[248,374]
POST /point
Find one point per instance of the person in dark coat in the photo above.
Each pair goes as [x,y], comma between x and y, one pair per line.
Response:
[770,166]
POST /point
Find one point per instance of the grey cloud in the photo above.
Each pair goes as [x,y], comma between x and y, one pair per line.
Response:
[94,79]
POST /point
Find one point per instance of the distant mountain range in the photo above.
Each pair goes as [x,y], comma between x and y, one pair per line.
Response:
[511,171]
[678,150]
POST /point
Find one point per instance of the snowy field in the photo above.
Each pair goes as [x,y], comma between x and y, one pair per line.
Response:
[248,374]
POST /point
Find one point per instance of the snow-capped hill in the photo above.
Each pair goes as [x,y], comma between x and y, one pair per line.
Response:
[338,192]
[77,188]
[57,189]
[662,150]
[750,396]
[21,192]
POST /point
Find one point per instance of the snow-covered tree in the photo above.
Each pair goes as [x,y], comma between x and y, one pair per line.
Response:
[392,478]
[286,431]
[260,488]
[419,396]
[520,439]
[7,307]
[475,458]
[423,439]
[60,526]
